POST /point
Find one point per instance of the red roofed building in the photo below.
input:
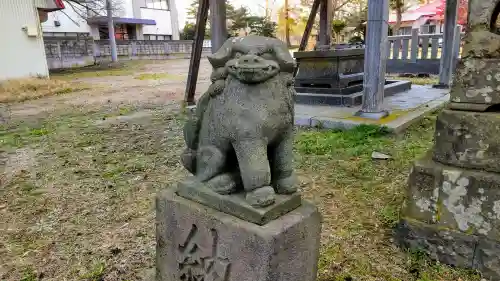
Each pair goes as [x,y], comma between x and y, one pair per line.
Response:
[429,18]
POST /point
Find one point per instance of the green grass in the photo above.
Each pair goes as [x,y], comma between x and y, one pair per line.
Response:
[102,70]
[419,260]
[418,80]
[158,76]
[96,273]
[82,207]
[29,275]
[360,199]
[354,142]
[94,73]
[86,198]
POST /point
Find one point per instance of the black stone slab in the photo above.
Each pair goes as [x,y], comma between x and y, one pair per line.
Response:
[350,96]
[332,69]
[330,53]
[329,99]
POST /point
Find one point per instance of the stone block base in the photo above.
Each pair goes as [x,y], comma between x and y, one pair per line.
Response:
[468,139]
[476,81]
[454,198]
[195,242]
[452,247]
[453,214]
[235,204]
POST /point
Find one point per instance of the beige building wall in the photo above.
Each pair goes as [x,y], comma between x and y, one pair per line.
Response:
[22,52]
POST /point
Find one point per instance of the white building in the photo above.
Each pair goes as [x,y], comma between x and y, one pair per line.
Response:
[423,17]
[134,19]
[23,52]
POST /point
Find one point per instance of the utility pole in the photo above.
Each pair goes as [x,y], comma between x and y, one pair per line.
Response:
[111,32]
[218,23]
[267,8]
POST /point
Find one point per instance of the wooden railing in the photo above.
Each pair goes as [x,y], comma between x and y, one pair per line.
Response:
[418,53]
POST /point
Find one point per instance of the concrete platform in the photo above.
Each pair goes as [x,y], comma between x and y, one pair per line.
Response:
[405,108]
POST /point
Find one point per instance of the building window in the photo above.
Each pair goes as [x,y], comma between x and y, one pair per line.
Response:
[405,30]
[155,4]
[157,37]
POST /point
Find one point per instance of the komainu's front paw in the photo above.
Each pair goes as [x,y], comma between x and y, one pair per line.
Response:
[224,184]
[261,197]
[286,185]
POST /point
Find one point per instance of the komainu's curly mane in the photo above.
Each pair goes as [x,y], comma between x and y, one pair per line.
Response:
[220,73]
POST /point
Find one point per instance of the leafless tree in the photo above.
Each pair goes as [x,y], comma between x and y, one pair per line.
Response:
[92,8]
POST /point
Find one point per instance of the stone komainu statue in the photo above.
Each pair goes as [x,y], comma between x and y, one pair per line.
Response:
[240,138]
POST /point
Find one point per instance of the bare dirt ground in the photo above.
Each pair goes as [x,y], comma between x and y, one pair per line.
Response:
[80,172]
[124,89]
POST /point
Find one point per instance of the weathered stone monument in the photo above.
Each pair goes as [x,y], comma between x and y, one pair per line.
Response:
[336,77]
[239,217]
[453,206]
[330,76]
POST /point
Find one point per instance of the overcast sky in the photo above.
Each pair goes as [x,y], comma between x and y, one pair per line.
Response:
[256,6]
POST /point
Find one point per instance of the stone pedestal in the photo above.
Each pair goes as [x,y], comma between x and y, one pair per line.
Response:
[454,215]
[335,77]
[452,209]
[239,216]
[195,242]
[235,204]
[476,86]
[468,139]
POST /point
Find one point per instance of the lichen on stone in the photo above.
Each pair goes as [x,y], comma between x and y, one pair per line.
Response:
[496,209]
[497,77]
[456,189]
[470,93]
[473,153]
[424,204]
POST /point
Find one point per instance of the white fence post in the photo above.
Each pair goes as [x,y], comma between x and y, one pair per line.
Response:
[414,45]
[458,39]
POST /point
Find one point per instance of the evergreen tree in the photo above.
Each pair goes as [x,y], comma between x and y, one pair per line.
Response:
[262,26]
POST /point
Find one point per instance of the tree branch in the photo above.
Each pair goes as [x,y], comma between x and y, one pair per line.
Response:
[98,7]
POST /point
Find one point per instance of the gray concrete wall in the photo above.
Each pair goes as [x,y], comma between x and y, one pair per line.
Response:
[77,53]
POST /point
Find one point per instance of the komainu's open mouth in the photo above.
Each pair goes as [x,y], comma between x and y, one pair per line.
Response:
[252,69]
